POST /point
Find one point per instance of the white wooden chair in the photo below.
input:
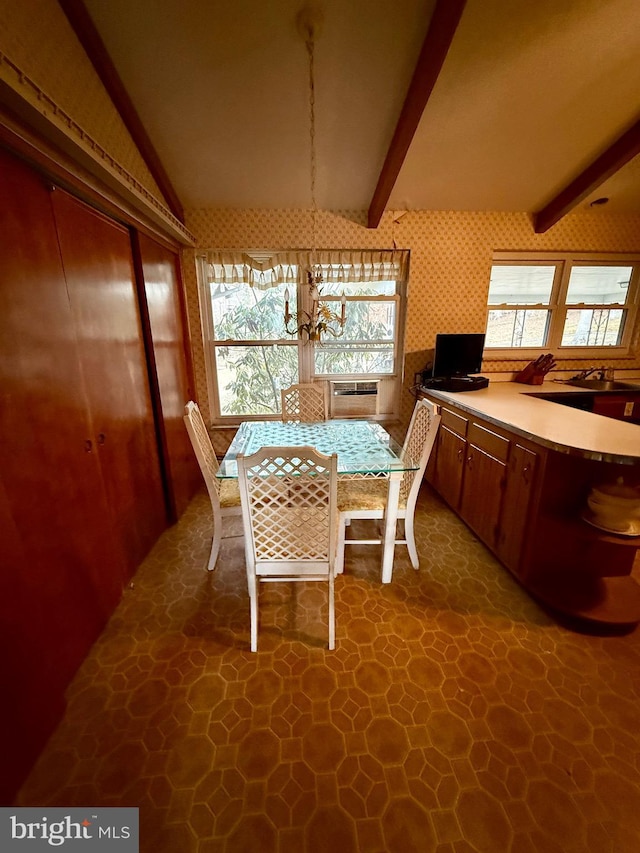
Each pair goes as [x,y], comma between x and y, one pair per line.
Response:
[224,494]
[289,512]
[367,498]
[304,402]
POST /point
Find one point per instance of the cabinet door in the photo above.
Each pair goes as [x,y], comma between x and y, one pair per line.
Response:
[449,465]
[482,490]
[162,297]
[98,267]
[515,518]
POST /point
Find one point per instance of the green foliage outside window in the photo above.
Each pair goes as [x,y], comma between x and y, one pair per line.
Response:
[250,377]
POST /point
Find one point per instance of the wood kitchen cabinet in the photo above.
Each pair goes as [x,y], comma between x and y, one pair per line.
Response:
[488,478]
[449,459]
[484,482]
[515,519]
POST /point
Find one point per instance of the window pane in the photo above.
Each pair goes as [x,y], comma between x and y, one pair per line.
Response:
[250,378]
[358,288]
[595,327]
[336,359]
[247,313]
[521,285]
[596,285]
[517,328]
[366,321]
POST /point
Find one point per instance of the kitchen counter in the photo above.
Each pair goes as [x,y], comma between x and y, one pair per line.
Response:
[519,469]
[548,424]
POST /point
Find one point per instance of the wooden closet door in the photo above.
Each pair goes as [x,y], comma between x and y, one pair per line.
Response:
[98,267]
[61,571]
[160,276]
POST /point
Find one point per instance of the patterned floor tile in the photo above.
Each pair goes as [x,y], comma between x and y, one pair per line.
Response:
[454,716]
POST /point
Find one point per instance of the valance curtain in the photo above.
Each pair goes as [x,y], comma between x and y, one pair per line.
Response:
[338,265]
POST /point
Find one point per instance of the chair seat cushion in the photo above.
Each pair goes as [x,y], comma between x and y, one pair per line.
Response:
[229,493]
[364,494]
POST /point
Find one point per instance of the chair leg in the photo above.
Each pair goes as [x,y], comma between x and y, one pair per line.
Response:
[411,542]
[215,545]
[341,546]
[332,613]
[253,604]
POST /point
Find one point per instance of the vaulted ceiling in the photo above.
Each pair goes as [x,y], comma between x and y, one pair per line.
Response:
[503,105]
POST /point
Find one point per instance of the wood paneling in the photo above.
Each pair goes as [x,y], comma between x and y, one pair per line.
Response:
[159,274]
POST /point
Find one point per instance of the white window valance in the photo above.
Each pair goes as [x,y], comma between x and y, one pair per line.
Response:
[338,265]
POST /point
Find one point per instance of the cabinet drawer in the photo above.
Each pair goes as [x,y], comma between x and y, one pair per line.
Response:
[494,444]
[455,422]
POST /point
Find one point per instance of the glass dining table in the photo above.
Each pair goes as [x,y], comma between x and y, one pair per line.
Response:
[364,449]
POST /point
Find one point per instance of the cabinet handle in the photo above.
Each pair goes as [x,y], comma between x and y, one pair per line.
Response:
[88,446]
[101,438]
[469,460]
[525,473]
[461,454]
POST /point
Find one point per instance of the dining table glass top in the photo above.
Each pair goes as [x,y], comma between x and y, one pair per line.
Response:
[363,447]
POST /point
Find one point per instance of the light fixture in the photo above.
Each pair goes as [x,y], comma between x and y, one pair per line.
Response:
[320,319]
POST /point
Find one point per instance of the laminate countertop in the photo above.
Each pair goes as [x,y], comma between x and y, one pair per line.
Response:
[549,424]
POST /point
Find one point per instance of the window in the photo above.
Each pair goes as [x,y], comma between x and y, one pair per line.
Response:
[367,343]
[250,356]
[578,303]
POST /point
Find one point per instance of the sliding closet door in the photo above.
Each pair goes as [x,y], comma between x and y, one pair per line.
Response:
[160,275]
[61,571]
[98,267]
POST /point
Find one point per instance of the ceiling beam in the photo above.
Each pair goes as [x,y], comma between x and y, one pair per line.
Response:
[444,22]
[89,38]
[624,149]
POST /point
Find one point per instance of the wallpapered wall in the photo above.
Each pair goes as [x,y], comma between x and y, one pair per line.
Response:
[450,263]
[43,61]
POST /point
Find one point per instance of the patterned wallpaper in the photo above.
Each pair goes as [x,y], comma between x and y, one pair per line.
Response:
[450,262]
[42,60]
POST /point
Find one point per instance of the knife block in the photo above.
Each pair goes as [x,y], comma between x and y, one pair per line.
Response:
[529,376]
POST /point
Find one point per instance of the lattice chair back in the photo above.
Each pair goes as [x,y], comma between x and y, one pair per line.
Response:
[418,445]
[203,449]
[223,494]
[289,512]
[304,402]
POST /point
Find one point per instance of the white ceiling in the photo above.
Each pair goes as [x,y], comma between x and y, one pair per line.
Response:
[530,93]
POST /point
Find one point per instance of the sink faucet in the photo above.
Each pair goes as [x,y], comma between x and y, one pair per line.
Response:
[602,373]
[586,372]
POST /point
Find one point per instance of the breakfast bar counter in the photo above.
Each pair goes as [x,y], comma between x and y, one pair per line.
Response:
[519,465]
[559,427]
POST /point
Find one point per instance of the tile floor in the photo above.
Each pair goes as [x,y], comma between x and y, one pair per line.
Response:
[454,715]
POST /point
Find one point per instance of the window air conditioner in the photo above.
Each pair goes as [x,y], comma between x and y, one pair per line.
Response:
[354,398]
